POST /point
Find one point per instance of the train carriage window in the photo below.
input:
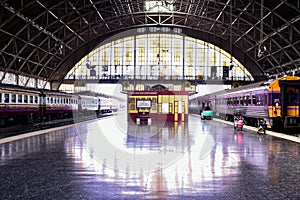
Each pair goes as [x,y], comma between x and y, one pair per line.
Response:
[13,98]
[260,100]
[6,98]
[30,99]
[25,98]
[249,100]
[36,99]
[257,99]
[20,98]
[253,100]
[244,100]
[234,101]
[266,99]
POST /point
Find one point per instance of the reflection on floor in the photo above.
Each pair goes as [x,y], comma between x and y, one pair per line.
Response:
[110,159]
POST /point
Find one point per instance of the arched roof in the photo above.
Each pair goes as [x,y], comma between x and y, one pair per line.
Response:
[44,39]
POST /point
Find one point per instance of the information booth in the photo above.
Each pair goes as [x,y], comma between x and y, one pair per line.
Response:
[148,106]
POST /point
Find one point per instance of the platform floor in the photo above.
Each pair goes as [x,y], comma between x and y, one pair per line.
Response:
[109,159]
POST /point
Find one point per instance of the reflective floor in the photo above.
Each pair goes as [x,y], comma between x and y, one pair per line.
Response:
[112,159]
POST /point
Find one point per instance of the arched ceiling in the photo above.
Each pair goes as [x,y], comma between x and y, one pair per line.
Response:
[44,39]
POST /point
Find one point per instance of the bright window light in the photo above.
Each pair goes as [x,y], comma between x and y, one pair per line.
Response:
[159,6]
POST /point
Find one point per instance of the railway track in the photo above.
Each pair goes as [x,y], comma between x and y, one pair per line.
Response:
[31,127]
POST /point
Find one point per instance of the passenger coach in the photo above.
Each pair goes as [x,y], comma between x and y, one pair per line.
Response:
[275,101]
[19,105]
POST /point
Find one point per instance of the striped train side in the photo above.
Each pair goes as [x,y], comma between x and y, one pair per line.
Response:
[19,105]
[276,101]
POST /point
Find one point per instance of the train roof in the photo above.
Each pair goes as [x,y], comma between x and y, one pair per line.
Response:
[91,93]
[18,88]
[249,87]
[252,87]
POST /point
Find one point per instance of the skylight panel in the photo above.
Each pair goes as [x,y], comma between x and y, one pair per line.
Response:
[159,6]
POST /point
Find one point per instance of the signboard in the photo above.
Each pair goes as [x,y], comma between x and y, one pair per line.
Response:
[143,104]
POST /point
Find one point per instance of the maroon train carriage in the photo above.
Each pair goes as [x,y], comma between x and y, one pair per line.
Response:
[22,105]
[18,104]
[58,105]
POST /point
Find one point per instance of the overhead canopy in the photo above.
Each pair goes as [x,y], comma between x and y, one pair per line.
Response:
[44,39]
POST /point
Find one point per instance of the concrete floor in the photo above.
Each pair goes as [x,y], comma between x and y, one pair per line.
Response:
[111,159]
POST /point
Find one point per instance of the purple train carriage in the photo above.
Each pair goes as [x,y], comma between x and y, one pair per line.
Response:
[275,101]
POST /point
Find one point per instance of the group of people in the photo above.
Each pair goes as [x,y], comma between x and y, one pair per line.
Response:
[239,122]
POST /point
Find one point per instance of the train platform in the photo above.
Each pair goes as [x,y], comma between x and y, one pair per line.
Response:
[110,159]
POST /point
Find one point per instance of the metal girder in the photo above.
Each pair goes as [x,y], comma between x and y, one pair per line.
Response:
[30,29]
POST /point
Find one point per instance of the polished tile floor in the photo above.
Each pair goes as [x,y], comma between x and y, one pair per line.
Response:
[112,159]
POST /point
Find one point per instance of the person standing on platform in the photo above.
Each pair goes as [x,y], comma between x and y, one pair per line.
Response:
[262,126]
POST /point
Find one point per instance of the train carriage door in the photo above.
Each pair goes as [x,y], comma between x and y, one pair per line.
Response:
[292,102]
[289,92]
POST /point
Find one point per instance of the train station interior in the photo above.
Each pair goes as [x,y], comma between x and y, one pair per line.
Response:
[150,99]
